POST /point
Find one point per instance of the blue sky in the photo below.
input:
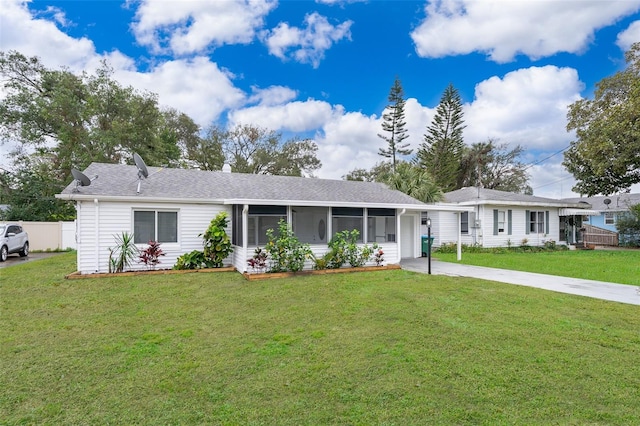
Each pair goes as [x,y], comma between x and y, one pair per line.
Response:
[322,69]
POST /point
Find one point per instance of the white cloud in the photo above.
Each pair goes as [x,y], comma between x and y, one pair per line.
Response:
[185,27]
[550,179]
[196,87]
[629,36]
[504,29]
[339,2]
[297,116]
[272,95]
[346,142]
[39,37]
[306,45]
[526,107]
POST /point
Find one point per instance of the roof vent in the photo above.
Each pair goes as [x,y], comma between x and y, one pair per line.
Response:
[226,168]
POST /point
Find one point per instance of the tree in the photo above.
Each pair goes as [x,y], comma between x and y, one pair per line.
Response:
[441,152]
[415,182]
[605,157]
[29,192]
[408,178]
[377,173]
[207,153]
[78,119]
[252,149]
[67,121]
[393,124]
[628,226]
[494,166]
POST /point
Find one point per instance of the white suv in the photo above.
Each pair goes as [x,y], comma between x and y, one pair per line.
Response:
[13,239]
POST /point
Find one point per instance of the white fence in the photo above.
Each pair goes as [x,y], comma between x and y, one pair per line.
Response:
[51,235]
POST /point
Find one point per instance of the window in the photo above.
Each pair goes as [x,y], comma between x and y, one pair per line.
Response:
[236,225]
[151,225]
[537,223]
[310,224]
[381,225]
[609,218]
[261,219]
[501,221]
[464,222]
[347,219]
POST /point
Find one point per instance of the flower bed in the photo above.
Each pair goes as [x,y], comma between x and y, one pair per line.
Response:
[78,275]
[271,275]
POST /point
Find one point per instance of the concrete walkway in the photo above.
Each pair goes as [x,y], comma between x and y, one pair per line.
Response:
[597,289]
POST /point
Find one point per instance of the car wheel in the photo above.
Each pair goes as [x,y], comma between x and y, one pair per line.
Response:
[4,252]
[25,250]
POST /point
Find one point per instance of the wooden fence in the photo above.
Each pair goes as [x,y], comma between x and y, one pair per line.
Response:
[599,236]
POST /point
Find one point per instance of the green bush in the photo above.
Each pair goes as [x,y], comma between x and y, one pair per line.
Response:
[194,260]
[344,248]
[217,244]
[285,252]
[549,245]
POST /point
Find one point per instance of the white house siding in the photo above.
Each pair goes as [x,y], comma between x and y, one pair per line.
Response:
[114,218]
[445,227]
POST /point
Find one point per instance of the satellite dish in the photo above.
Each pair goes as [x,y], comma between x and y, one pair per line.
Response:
[607,201]
[142,169]
[81,179]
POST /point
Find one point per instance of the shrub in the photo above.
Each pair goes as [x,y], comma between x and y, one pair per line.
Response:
[259,260]
[121,257]
[217,244]
[286,253]
[150,256]
[345,249]
[194,260]
[378,256]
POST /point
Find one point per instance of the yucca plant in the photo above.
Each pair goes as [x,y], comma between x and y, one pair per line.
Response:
[124,253]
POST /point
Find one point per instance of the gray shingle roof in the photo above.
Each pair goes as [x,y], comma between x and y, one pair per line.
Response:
[118,180]
[488,196]
[620,202]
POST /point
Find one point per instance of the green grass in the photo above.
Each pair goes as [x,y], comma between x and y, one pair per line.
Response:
[387,347]
[617,266]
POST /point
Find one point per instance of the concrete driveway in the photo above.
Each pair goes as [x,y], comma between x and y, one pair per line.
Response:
[597,289]
[15,259]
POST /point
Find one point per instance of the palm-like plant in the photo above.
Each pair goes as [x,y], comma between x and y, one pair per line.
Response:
[123,255]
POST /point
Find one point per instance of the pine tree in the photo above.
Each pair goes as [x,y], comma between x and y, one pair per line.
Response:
[393,124]
[441,152]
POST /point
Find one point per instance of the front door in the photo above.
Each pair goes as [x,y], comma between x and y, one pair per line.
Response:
[407,236]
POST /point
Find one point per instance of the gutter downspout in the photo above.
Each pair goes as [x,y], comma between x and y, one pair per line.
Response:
[399,234]
[245,236]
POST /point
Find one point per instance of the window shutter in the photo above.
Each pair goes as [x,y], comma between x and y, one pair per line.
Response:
[509,219]
[526,221]
[546,222]
[495,222]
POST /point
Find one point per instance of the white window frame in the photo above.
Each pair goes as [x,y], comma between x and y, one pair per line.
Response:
[155,220]
[536,226]
[502,221]
[609,218]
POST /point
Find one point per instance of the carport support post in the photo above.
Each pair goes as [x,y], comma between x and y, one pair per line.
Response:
[429,245]
[459,245]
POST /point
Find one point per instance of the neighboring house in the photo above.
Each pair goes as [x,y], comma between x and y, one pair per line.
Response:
[610,211]
[174,206]
[500,219]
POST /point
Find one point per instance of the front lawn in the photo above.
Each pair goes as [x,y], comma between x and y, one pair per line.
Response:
[616,266]
[387,347]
